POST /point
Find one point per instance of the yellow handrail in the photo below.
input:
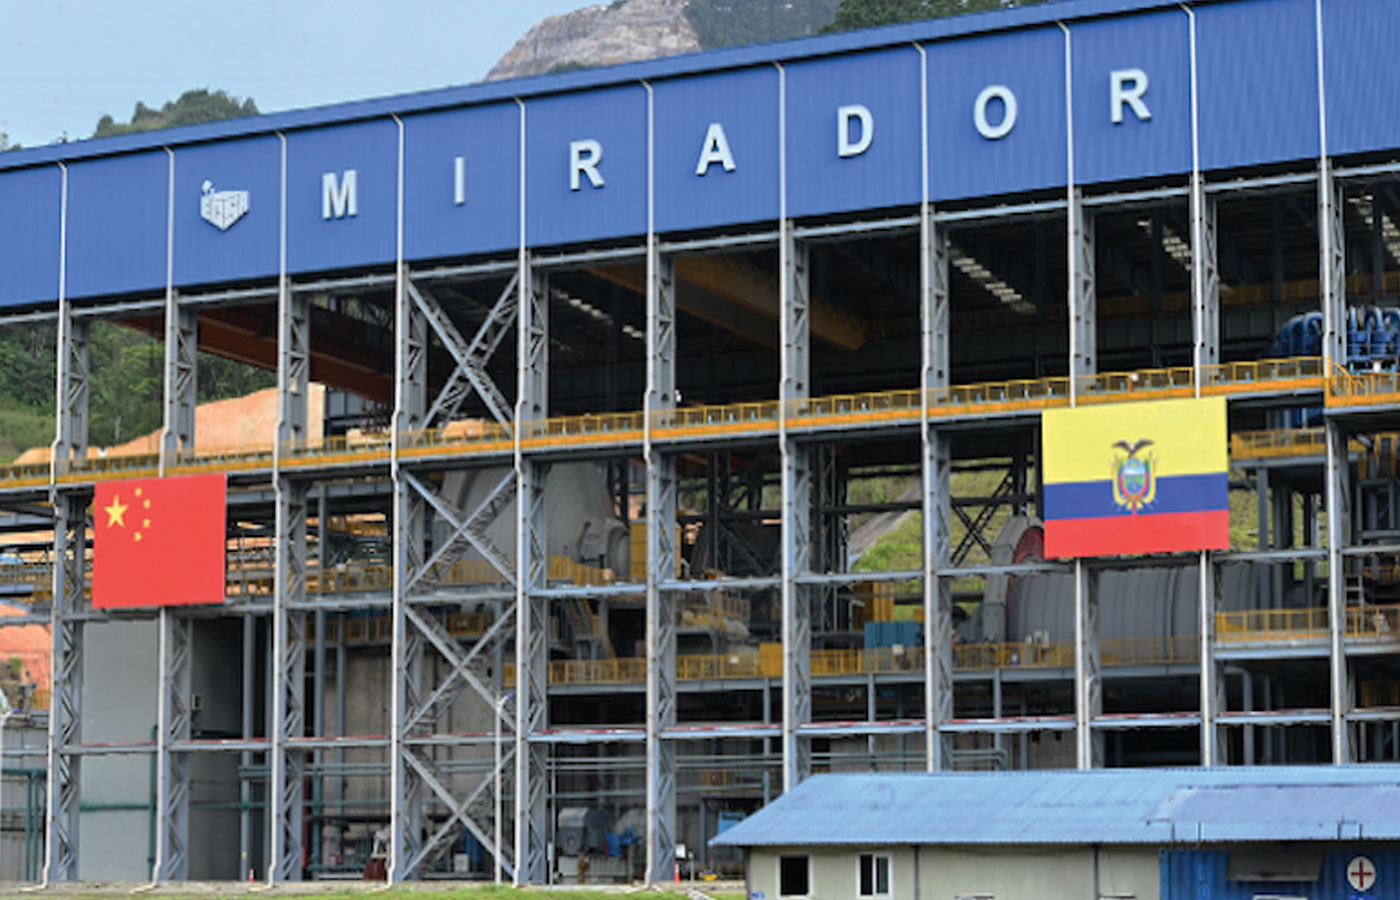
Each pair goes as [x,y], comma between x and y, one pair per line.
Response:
[1380,622]
[1301,373]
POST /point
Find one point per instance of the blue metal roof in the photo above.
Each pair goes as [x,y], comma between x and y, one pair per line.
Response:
[565,82]
[1105,806]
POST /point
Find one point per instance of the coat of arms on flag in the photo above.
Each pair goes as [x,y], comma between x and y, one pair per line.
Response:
[1134,477]
[222,208]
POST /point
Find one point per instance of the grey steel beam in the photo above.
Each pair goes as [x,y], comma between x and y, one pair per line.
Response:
[1212,678]
[288,653]
[287,649]
[1205,330]
[175,630]
[796,527]
[1083,326]
[1205,278]
[1337,498]
[1331,228]
[293,366]
[65,707]
[175,649]
[409,530]
[532,610]
[1083,361]
[934,306]
[74,390]
[64,767]
[181,354]
[1331,232]
[660,567]
[1088,670]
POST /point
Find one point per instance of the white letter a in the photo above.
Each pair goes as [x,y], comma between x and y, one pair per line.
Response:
[715,150]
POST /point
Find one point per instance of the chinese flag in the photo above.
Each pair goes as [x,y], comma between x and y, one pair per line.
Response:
[159,542]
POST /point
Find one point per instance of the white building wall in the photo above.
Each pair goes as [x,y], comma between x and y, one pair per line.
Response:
[946,873]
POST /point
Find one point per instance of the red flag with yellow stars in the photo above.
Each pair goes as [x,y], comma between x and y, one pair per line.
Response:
[159,542]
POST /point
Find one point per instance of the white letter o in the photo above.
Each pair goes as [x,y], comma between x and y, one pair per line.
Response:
[979,112]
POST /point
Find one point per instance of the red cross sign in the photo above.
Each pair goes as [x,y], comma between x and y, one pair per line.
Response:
[1361,874]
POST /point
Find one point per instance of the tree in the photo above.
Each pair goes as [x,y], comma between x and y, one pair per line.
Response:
[734,23]
[193,108]
[869,13]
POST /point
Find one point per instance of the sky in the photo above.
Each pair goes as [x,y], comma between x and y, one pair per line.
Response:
[68,62]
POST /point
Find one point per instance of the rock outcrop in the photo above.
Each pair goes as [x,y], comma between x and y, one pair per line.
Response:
[601,35]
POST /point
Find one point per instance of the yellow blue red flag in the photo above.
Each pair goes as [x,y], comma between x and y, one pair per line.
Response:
[1136,478]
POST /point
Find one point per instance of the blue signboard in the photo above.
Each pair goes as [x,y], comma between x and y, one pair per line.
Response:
[462,181]
[1132,97]
[1363,87]
[854,132]
[1257,65]
[228,211]
[342,196]
[118,224]
[716,149]
[30,222]
[984,113]
[586,166]
[997,121]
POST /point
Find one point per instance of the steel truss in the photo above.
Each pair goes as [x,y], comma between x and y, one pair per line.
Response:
[418,778]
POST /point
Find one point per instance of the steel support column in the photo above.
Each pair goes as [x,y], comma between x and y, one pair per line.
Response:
[69,597]
[937,507]
[1338,537]
[409,526]
[1331,229]
[175,630]
[1083,302]
[1205,278]
[1088,670]
[288,638]
[1212,677]
[1205,330]
[181,352]
[74,390]
[65,721]
[532,610]
[1083,361]
[660,566]
[1331,232]
[175,646]
[794,388]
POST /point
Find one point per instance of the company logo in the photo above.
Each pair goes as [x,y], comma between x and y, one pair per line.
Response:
[222,208]
[1134,477]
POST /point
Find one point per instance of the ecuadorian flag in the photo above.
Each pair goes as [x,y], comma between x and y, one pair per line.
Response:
[1136,478]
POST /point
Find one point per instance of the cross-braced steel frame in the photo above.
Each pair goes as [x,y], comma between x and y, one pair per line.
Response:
[430,808]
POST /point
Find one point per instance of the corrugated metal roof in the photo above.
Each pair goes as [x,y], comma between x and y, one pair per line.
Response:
[1105,806]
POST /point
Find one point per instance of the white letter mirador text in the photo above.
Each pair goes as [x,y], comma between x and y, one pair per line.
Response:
[1127,86]
[715,150]
[1008,116]
[844,116]
[584,157]
[339,200]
